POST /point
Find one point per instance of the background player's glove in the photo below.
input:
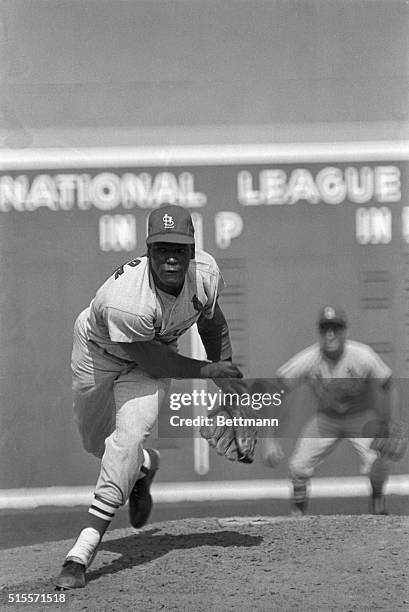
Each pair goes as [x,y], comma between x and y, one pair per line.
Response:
[236,442]
[392,442]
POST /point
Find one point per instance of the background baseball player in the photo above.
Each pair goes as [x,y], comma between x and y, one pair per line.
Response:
[125,352]
[353,391]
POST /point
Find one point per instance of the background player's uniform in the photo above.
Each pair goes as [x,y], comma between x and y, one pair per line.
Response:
[116,403]
[343,393]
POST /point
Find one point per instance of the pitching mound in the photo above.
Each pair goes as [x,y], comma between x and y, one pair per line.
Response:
[318,563]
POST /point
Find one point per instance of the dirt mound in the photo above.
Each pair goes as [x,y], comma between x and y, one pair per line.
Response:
[317,563]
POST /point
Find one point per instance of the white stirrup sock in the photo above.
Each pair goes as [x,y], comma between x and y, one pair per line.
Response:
[85,547]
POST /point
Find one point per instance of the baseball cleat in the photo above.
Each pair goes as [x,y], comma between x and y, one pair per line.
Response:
[378,505]
[72,576]
[299,507]
[140,499]
[297,513]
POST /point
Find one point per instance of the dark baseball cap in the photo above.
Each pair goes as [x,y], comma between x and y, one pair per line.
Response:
[170,223]
[331,315]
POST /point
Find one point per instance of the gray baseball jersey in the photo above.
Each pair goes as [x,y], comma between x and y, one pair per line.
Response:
[340,388]
[129,308]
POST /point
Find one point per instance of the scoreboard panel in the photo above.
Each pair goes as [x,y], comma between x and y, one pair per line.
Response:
[292,228]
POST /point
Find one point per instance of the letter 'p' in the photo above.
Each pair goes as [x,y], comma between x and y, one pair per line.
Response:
[228,225]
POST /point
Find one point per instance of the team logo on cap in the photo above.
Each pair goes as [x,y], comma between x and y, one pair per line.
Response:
[168,222]
[329,313]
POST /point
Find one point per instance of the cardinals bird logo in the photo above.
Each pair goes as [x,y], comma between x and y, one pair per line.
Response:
[197,304]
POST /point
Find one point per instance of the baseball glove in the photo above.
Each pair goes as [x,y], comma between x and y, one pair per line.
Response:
[232,432]
[394,443]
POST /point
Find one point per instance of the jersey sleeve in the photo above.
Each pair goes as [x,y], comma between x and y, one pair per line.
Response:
[127,327]
[213,285]
[378,369]
[298,367]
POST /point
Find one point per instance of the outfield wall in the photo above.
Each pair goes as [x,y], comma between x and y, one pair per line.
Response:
[293,227]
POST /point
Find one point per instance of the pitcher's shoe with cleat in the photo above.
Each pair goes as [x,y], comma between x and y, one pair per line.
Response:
[140,499]
[72,576]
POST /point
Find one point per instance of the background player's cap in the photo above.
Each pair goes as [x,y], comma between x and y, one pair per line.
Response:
[330,314]
[170,223]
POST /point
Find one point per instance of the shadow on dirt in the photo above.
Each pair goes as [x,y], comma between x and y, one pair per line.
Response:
[147,546]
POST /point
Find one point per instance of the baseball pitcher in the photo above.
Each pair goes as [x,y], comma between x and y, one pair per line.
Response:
[125,352]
